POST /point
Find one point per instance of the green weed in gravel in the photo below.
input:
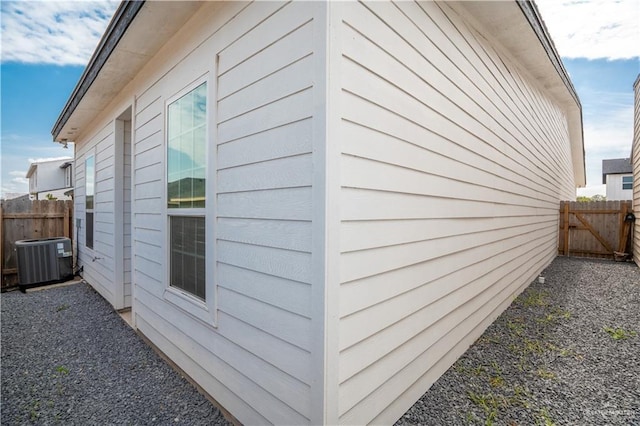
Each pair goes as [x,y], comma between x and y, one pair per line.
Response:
[62,369]
[618,333]
[545,374]
[533,298]
[489,405]
[544,418]
[497,400]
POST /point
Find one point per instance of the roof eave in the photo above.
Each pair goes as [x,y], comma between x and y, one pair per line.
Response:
[532,14]
[121,20]
[32,169]
[576,131]
[518,26]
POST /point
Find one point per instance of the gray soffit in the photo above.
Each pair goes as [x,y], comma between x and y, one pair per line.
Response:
[530,10]
[121,20]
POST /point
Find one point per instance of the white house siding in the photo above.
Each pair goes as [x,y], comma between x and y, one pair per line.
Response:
[98,264]
[126,212]
[635,151]
[260,58]
[453,161]
[614,188]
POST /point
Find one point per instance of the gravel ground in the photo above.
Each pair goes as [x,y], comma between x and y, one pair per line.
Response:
[68,358]
[566,352]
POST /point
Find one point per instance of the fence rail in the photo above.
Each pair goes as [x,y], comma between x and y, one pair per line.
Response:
[600,229]
[25,219]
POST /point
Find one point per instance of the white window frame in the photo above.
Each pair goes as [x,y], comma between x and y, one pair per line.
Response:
[627,183]
[67,177]
[90,154]
[204,310]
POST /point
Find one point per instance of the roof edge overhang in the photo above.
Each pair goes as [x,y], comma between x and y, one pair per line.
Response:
[576,132]
[528,40]
[532,14]
[118,25]
[32,169]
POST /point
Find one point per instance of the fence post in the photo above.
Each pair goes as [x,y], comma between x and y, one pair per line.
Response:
[66,221]
[566,228]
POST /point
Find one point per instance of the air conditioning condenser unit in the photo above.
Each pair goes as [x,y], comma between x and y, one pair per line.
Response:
[42,261]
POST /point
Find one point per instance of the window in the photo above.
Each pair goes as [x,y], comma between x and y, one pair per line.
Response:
[188,254]
[627,182]
[67,176]
[89,170]
[186,179]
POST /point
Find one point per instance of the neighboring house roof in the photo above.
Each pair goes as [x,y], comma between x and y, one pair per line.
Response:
[14,196]
[139,29]
[32,170]
[616,166]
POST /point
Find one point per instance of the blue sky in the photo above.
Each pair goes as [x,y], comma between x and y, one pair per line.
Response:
[46,44]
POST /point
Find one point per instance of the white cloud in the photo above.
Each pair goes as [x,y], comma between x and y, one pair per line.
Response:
[53,32]
[20,180]
[593,29]
[18,173]
[15,185]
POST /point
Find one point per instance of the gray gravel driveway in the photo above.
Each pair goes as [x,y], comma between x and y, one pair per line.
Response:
[566,352]
[68,358]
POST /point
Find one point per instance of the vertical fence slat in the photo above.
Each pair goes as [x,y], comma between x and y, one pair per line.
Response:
[566,229]
[622,237]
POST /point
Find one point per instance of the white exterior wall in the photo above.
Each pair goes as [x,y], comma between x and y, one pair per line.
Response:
[635,152]
[354,201]
[126,214]
[49,178]
[614,188]
[261,64]
[98,264]
[453,163]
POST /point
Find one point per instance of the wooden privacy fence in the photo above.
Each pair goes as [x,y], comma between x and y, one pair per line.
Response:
[23,219]
[595,228]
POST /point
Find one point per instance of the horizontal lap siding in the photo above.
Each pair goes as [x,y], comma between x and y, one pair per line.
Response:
[127,214]
[256,362]
[453,162]
[98,263]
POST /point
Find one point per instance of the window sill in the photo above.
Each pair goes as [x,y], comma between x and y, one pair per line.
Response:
[190,305]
